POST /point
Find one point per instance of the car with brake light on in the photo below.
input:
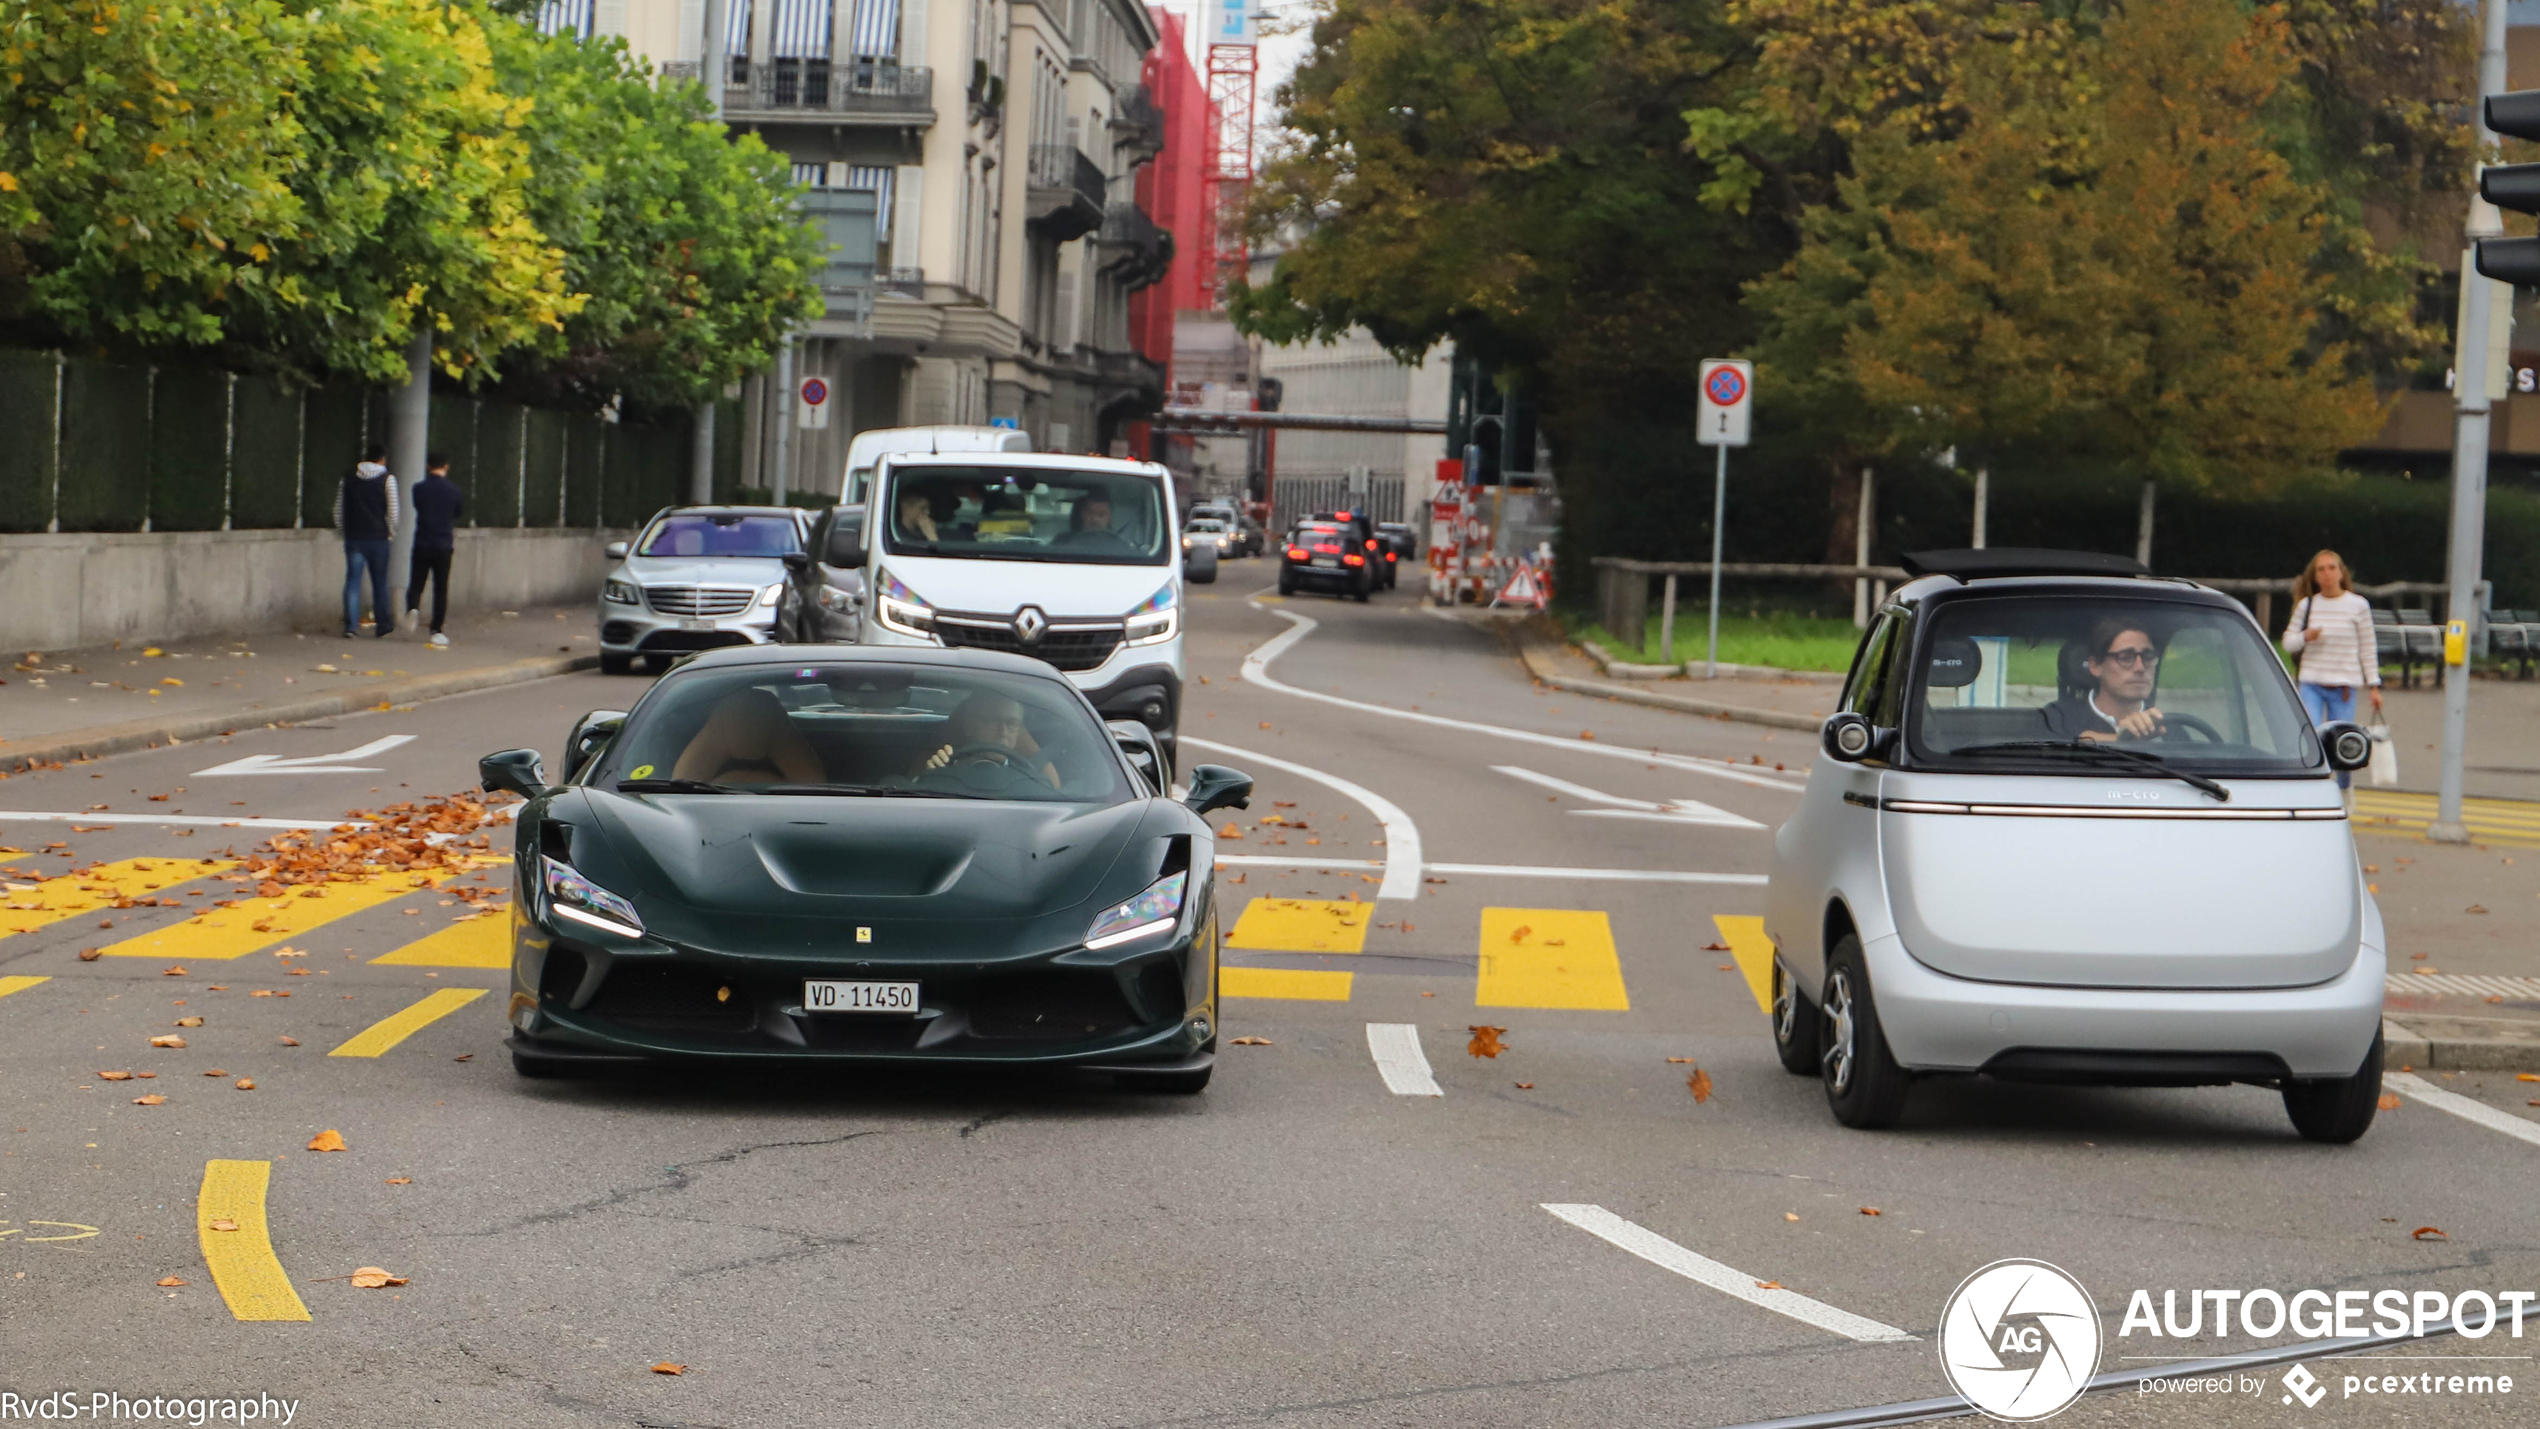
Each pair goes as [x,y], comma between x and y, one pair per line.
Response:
[1402,548]
[854,854]
[697,578]
[2070,824]
[1072,560]
[1326,556]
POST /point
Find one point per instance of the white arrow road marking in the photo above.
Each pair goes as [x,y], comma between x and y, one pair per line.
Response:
[1399,1060]
[1493,870]
[12,816]
[2463,1107]
[309,763]
[1257,671]
[1674,811]
[1402,837]
[1660,1251]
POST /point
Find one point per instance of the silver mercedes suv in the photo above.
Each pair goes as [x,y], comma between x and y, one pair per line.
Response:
[697,577]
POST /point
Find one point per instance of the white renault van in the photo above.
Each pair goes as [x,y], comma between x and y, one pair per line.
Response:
[1073,560]
[2069,823]
[870,447]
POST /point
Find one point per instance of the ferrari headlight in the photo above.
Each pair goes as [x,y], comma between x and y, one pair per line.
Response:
[620,592]
[1159,908]
[570,895]
[1155,620]
[899,609]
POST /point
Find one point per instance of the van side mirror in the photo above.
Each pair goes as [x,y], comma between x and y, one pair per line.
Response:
[615,550]
[1850,738]
[520,771]
[1214,787]
[2349,746]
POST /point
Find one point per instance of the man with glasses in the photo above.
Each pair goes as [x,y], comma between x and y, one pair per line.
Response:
[2117,705]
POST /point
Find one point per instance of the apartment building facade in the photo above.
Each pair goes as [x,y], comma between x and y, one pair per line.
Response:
[974,166]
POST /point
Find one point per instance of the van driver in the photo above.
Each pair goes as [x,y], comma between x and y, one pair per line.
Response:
[2118,706]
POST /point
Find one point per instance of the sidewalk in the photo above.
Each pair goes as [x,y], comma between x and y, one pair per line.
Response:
[63,704]
[2464,971]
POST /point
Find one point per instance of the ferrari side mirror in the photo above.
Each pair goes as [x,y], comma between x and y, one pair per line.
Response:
[519,770]
[588,734]
[1214,787]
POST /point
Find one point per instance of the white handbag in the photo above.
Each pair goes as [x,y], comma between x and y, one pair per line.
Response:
[2385,758]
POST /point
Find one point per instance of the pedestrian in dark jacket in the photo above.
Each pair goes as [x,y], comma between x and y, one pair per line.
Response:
[438,502]
[366,512]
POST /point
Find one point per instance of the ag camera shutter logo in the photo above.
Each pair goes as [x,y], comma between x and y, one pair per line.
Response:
[2020,1340]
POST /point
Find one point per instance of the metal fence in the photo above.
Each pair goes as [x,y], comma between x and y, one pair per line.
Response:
[96,445]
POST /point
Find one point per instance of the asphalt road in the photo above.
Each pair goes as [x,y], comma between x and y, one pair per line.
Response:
[1304,1244]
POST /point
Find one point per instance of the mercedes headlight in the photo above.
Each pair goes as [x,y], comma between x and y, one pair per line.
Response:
[767,598]
[1155,620]
[899,609]
[1155,910]
[571,896]
[620,593]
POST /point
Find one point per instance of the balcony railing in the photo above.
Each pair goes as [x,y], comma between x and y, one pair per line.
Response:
[1064,166]
[862,87]
[1137,122]
[907,282]
[1135,248]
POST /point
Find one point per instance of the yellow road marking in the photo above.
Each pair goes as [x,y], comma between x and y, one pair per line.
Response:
[1753,953]
[1302,925]
[221,934]
[1549,957]
[1295,984]
[23,910]
[388,1031]
[19,984]
[484,942]
[2513,822]
[242,1261]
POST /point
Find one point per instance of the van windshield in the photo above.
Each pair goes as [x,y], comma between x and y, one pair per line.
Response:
[2004,679]
[1002,514]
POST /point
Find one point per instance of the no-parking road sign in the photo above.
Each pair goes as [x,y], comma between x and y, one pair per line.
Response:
[1728,402]
[813,415]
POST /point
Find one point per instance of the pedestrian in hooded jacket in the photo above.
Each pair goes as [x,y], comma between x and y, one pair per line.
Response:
[366,512]
[438,503]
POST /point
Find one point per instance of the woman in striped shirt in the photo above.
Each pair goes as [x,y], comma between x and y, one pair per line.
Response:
[2332,632]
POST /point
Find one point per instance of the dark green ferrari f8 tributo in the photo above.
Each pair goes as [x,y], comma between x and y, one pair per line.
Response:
[865,854]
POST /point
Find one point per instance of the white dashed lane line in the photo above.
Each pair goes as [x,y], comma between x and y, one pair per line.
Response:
[2493,1118]
[1660,1251]
[1399,1060]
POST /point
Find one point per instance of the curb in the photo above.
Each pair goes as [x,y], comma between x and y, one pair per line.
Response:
[150,734]
[2404,1047]
[1532,653]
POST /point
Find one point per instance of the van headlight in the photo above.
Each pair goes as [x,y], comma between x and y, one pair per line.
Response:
[1155,620]
[1157,909]
[620,592]
[574,897]
[898,608]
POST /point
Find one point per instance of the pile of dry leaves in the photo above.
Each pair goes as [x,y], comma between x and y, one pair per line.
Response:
[436,834]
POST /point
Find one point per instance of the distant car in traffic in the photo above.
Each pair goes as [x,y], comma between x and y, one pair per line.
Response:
[1402,548]
[696,578]
[1325,556]
[1210,531]
[2070,824]
[825,597]
[1249,538]
[865,854]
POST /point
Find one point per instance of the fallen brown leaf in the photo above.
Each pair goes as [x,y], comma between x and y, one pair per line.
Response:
[170,1040]
[1253,1042]
[1519,934]
[2427,1233]
[216,1072]
[464,1057]
[1525,1086]
[1770,1284]
[1588,734]
[290,1041]
[371,1277]
[2475,908]
[1872,1211]
[2527,1076]
[1699,1084]
[2389,1101]
[90,955]
[401,1180]
[189,1022]
[151,1099]
[114,1076]
[224,1225]
[666,1367]
[178,971]
[1715,947]
[1790,1215]
[245,1084]
[1486,1041]
[327,1140]
[1231,831]
[170,1280]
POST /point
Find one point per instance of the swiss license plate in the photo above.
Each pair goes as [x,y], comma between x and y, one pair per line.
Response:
[1327,562]
[836,995]
[694,624]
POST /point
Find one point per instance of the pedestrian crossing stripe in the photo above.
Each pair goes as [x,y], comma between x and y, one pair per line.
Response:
[2511,822]
[1302,925]
[1292,984]
[388,1031]
[1549,957]
[484,941]
[19,984]
[26,905]
[221,934]
[1753,953]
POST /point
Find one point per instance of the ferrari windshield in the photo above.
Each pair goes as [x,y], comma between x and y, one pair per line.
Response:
[720,533]
[2069,679]
[1012,514]
[863,728]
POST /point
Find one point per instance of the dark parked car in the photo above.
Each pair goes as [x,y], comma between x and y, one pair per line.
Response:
[865,854]
[1402,548]
[1327,555]
[826,592]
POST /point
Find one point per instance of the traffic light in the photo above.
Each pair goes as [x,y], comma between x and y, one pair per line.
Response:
[2512,186]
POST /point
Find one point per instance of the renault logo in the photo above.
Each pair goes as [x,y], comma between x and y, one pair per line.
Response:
[1029,623]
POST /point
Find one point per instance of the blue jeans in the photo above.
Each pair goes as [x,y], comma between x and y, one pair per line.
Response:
[2329,704]
[373,554]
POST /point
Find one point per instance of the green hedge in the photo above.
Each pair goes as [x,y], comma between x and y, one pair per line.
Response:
[28,382]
